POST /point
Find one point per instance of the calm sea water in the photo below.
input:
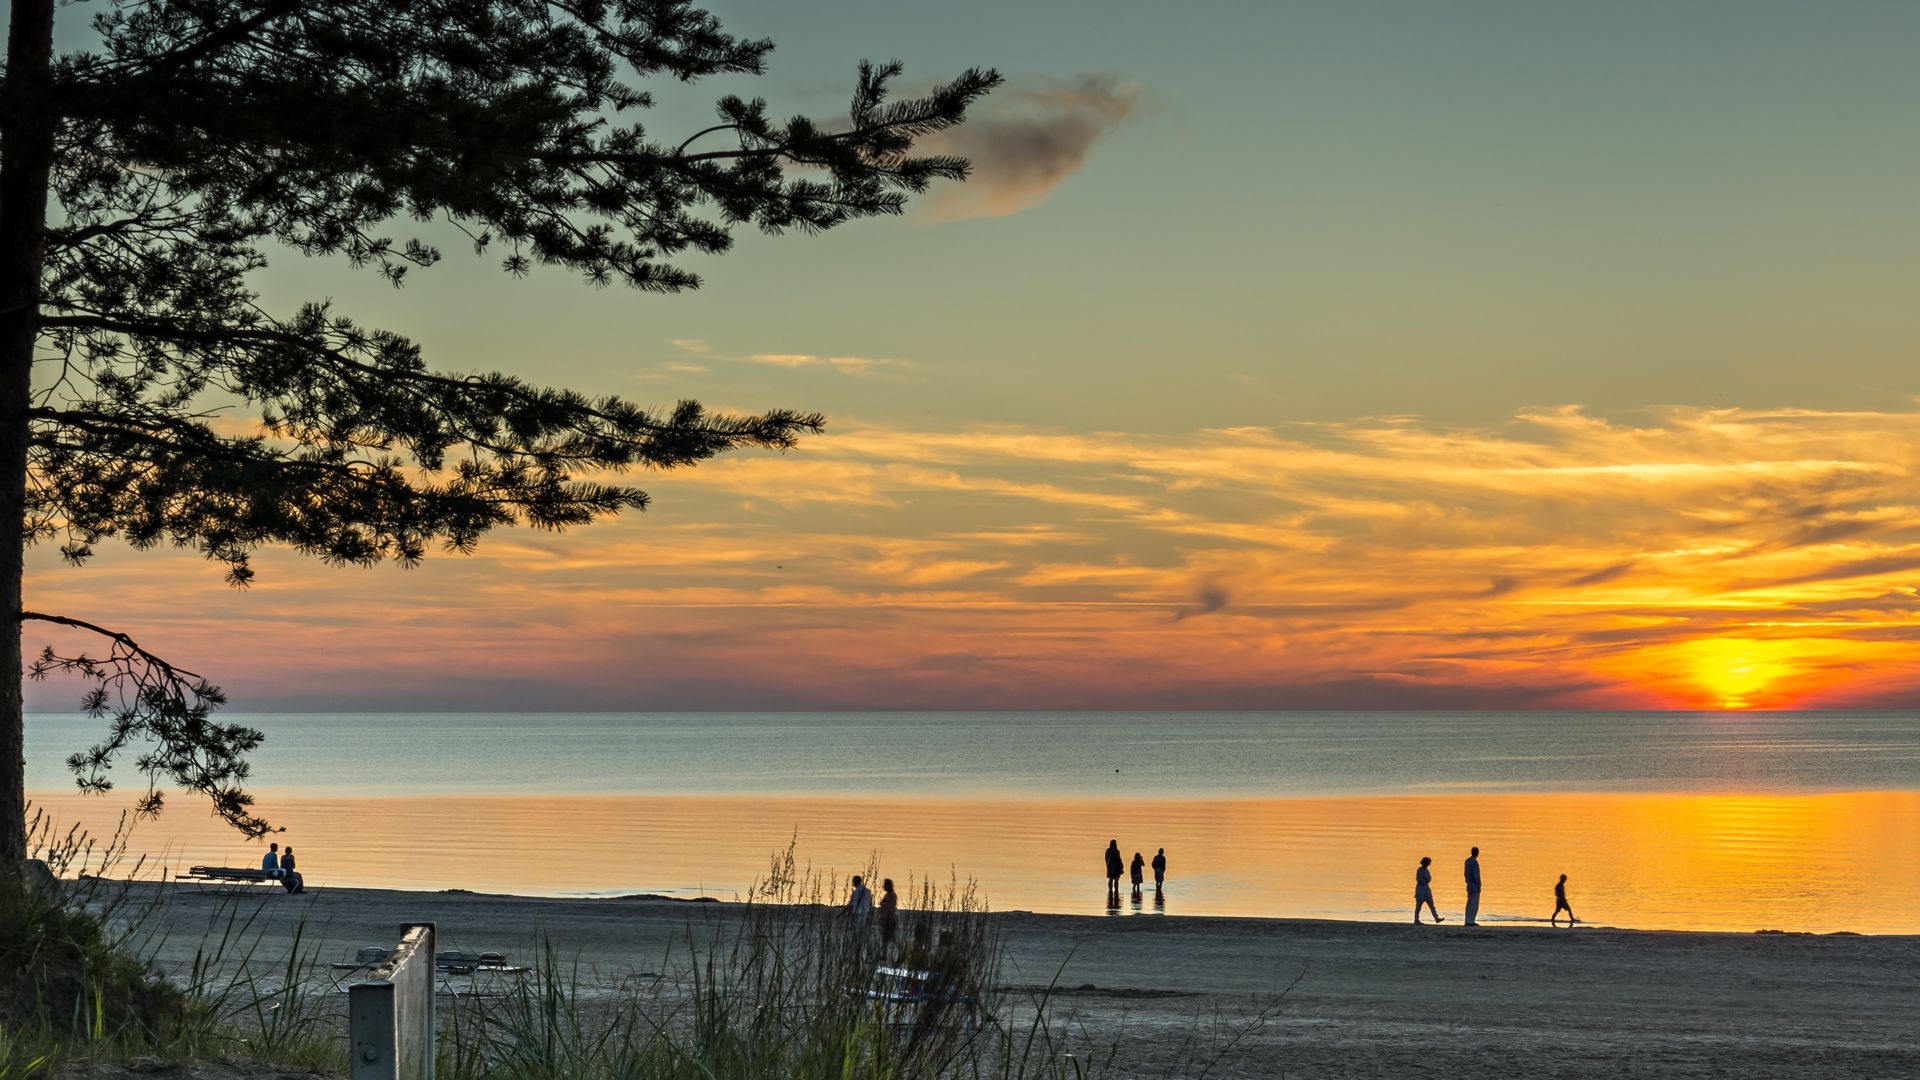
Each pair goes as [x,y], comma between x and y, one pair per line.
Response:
[1708,820]
[1053,755]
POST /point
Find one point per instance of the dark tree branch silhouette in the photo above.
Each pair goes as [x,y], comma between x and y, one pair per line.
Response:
[144,179]
[149,698]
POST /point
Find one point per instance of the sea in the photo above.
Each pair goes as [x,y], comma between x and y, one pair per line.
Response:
[1741,821]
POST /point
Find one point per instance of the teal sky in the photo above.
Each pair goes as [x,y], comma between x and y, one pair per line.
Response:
[1314,212]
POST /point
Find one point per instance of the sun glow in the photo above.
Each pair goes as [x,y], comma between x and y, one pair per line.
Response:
[1740,672]
[1737,673]
[1703,559]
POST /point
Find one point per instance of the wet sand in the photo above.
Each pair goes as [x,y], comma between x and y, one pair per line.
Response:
[1371,999]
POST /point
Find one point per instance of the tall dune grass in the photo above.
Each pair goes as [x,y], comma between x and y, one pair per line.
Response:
[772,987]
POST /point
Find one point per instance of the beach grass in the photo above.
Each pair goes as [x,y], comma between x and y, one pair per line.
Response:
[774,986]
[775,990]
[77,983]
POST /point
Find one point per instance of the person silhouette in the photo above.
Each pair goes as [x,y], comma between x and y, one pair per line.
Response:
[1560,903]
[889,912]
[1115,865]
[290,878]
[860,902]
[1159,871]
[918,952]
[1139,864]
[1473,888]
[1423,891]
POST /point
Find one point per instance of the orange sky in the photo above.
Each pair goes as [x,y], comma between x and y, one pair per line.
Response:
[1237,376]
[1696,558]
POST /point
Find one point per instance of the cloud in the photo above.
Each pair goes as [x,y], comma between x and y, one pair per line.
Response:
[1500,586]
[861,365]
[1211,598]
[1877,567]
[845,365]
[1559,558]
[1605,574]
[1031,137]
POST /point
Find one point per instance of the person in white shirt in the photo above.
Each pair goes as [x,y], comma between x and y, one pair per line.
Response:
[270,862]
[860,904]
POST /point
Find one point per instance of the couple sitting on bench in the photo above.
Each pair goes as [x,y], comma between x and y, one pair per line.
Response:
[280,868]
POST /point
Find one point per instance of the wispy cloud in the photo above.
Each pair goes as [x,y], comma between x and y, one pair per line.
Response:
[1701,556]
[1034,135]
[845,365]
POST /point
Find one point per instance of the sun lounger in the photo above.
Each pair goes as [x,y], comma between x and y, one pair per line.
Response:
[906,993]
[900,986]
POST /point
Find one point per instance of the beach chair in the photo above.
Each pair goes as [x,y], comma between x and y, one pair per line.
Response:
[899,986]
[906,995]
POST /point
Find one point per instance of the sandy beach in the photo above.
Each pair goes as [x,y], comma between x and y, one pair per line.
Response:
[1371,999]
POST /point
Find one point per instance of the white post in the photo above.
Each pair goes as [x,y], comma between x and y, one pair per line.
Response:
[390,1014]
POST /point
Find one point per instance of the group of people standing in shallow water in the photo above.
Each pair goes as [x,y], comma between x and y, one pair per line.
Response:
[1116,865]
[1422,884]
[1423,893]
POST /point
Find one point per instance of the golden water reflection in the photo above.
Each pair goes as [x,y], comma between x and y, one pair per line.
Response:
[1720,862]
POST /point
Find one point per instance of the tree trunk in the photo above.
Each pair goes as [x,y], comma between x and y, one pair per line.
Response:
[26,160]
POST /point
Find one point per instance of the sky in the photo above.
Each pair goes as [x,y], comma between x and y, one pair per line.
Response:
[1479,355]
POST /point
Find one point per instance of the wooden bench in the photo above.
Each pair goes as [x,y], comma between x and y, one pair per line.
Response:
[230,877]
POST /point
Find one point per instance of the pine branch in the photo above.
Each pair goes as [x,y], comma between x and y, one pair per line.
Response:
[150,699]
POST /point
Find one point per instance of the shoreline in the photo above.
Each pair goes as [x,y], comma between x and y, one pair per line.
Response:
[1355,999]
[1493,923]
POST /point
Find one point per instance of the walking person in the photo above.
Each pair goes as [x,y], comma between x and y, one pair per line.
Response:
[1423,891]
[1115,864]
[1560,903]
[1159,871]
[1139,865]
[1473,888]
[889,912]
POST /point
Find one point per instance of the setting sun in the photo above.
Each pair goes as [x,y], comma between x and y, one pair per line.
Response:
[1737,672]
[1750,672]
